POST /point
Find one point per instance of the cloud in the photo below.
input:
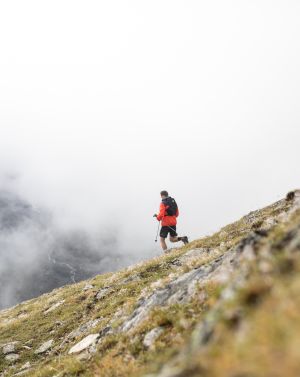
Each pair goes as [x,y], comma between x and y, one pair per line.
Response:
[121,100]
[37,255]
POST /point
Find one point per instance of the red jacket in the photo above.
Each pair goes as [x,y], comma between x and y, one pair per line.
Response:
[166,220]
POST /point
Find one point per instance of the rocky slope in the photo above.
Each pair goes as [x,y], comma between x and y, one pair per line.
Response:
[225,305]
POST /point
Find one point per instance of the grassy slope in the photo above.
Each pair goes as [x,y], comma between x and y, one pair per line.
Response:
[270,322]
[257,333]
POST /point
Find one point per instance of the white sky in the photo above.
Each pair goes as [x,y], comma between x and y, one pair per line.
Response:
[105,103]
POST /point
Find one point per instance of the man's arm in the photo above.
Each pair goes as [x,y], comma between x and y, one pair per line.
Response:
[162,212]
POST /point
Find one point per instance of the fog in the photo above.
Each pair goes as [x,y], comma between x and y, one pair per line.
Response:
[104,104]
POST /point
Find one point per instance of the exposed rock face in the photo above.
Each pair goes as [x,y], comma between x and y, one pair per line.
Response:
[103,293]
[176,291]
[88,287]
[9,348]
[152,336]
[84,328]
[84,343]
[53,307]
[26,366]
[44,347]
[12,357]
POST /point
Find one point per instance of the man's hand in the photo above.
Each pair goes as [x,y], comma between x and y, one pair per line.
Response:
[155,215]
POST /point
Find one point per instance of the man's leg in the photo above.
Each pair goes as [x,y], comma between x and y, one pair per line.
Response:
[177,239]
[173,235]
[163,235]
[163,243]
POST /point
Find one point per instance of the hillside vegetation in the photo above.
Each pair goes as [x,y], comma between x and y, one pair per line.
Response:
[226,305]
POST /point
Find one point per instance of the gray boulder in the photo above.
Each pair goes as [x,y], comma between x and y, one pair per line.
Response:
[44,347]
[12,357]
[84,343]
[152,336]
[9,348]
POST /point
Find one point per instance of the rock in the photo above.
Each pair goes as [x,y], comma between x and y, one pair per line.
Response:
[131,278]
[23,316]
[103,293]
[174,292]
[12,357]
[184,323]
[157,284]
[151,337]
[223,246]
[106,331]
[23,372]
[83,328]
[223,272]
[25,366]
[290,196]
[44,347]
[173,276]
[270,222]
[53,307]
[9,348]
[248,253]
[88,287]
[93,348]
[193,254]
[84,343]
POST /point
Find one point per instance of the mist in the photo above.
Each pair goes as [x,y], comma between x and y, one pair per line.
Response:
[103,105]
[38,255]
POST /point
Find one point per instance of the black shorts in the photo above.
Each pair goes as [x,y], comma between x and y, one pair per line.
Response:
[168,229]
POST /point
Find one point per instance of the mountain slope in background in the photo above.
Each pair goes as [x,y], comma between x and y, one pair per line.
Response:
[36,256]
[224,305]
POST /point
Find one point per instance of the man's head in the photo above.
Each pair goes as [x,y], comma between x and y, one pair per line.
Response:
[164,194]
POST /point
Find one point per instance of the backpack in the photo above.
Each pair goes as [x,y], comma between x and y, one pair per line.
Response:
[172,206]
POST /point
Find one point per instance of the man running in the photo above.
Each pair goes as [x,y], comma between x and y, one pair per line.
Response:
[168,213]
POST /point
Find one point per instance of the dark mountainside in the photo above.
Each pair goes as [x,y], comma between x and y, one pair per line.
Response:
[36,257]
[226,305]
